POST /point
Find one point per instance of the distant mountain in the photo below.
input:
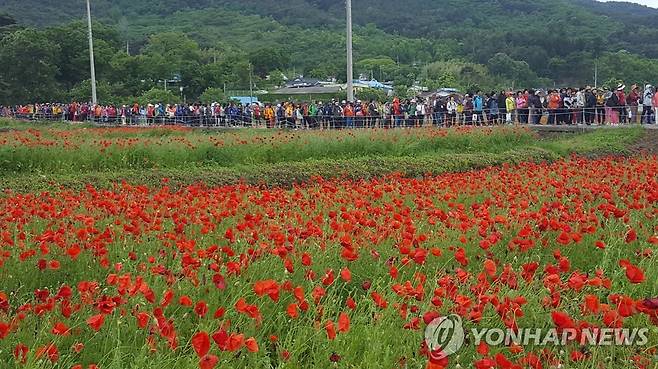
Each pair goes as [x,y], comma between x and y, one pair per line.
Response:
[512,41]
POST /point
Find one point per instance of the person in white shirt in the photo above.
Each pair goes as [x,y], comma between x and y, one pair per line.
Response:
[451,107]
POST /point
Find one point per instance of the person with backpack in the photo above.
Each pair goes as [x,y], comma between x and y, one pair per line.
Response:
[600,106]
[612,105]
[647,104]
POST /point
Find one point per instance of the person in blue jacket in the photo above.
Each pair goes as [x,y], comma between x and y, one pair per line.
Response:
[478,107]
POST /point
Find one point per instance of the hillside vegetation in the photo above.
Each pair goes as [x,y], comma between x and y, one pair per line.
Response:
[210,43]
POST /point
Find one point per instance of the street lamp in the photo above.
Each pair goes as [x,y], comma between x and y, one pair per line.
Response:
[94,98]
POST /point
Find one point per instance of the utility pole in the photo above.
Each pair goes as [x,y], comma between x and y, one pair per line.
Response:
[251,84]
[94,98]
[350,66]
[596,74]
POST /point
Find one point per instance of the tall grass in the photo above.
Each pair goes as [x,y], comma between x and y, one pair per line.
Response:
[83,150]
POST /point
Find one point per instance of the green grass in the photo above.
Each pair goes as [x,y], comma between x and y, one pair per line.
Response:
[283,174]
[36,158]
[371,343]
[84,149]
[282,159]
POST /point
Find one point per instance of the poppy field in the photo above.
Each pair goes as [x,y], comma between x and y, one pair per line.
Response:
[332,272]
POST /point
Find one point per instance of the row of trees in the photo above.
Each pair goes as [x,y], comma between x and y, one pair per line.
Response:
[208,52]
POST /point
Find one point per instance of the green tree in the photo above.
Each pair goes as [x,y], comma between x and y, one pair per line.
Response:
[73,58]
[276,78]
[212,95]
[267,59]
[29,67]
[368,94]
[170,54]
[378,67]
[156,95]
[82,92]
[516,71]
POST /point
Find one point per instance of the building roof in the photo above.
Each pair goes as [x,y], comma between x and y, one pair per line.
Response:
[244,100]
[302,82]
[307,90]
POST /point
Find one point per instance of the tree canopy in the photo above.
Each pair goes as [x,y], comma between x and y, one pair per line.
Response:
[216,44]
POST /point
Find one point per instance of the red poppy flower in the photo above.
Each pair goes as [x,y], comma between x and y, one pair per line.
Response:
[331,329]
[208,362]
[251,344]
[343,323]
[60,329]
[96,322]
[201,343]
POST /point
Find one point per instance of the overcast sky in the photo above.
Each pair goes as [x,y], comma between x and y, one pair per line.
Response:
[652,3]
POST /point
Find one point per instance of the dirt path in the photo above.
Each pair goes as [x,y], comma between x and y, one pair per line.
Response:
[648,144]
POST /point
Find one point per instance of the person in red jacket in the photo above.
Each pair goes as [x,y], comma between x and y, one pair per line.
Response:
[397,112]
[348,113]
[633,100]
[553,106]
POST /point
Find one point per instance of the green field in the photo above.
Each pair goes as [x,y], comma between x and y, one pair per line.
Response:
[35,156]
[126,248]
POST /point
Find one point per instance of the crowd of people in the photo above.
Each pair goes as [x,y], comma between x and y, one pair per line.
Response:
[559,107]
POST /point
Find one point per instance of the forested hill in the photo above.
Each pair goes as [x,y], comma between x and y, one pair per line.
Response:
[435,42]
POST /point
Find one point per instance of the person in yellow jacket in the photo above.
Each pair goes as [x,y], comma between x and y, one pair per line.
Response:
[460,112]
[269,115]
[510,105]
[289,109]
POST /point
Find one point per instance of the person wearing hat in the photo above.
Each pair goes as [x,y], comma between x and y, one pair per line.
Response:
[647,104]
[468,110]
[621,109]
[633,101]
